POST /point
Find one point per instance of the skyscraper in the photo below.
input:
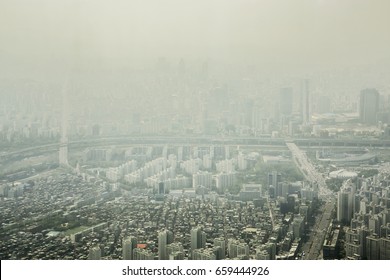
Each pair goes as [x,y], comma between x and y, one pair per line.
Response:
[369,106]
[345,203]
[305,102]
[63,152]
[128,245]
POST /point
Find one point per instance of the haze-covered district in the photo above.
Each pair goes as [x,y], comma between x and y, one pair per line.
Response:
[197,130]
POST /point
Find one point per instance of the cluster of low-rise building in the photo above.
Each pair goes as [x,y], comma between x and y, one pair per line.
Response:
[70,216]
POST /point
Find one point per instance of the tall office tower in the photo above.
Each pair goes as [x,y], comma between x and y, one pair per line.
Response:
[128,246]
[305,102]
[369,106]
[63,152]
[286,101]
[198,238]
[165,238]
[345,203]
[95,253]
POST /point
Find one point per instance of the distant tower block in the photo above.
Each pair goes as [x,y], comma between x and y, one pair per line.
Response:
[369,106]
[63,153]
[305,102]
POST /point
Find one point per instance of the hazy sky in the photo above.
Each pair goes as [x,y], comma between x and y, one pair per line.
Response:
[37,33]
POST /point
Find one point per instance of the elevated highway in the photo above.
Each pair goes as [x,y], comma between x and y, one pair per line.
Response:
[198,140]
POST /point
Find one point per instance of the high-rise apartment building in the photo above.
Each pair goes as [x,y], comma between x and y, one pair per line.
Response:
[237,249]
[345,203]
[198,238]
[128,246]
[220,242]
[384,244]
[165,238]
[373,247]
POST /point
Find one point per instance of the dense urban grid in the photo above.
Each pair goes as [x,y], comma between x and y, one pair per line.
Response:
[215,171]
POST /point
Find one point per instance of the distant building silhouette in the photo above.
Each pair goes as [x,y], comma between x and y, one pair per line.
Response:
[63,151]
[305,102]
[369,106]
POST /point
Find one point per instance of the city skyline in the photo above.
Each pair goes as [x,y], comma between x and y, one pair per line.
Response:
[194,130]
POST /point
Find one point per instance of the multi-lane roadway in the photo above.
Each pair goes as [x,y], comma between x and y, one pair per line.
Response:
[316,237]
